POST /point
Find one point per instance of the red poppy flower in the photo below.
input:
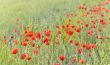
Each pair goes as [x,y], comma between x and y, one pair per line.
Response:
[70,33]
[93,45]
[25,31]
[59,31]
[83,45]
[14,51]
[76,43]
[82,61]
[57,26]
[71,41]
[87,25]
[33,37]
[88,47]
[48,33]
[30,34]
[23,56]
[26,39]
[72,26]
[45,40]
[62,58]
[32,44]
[102,22]
[80,50]
[24,43]
[90,32]
[78,30]
[73,59]
[11,37]
[29,58]
[63,26]
[47,43]
[38,34]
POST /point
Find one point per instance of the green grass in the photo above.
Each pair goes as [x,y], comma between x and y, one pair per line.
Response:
[12,10]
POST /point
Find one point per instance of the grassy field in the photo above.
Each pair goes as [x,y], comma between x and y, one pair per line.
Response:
[54,32]
[31,9]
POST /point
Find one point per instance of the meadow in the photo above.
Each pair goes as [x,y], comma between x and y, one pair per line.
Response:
[55,32]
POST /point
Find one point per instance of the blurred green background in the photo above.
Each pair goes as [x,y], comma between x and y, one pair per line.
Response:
[34,10]
[10,10]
